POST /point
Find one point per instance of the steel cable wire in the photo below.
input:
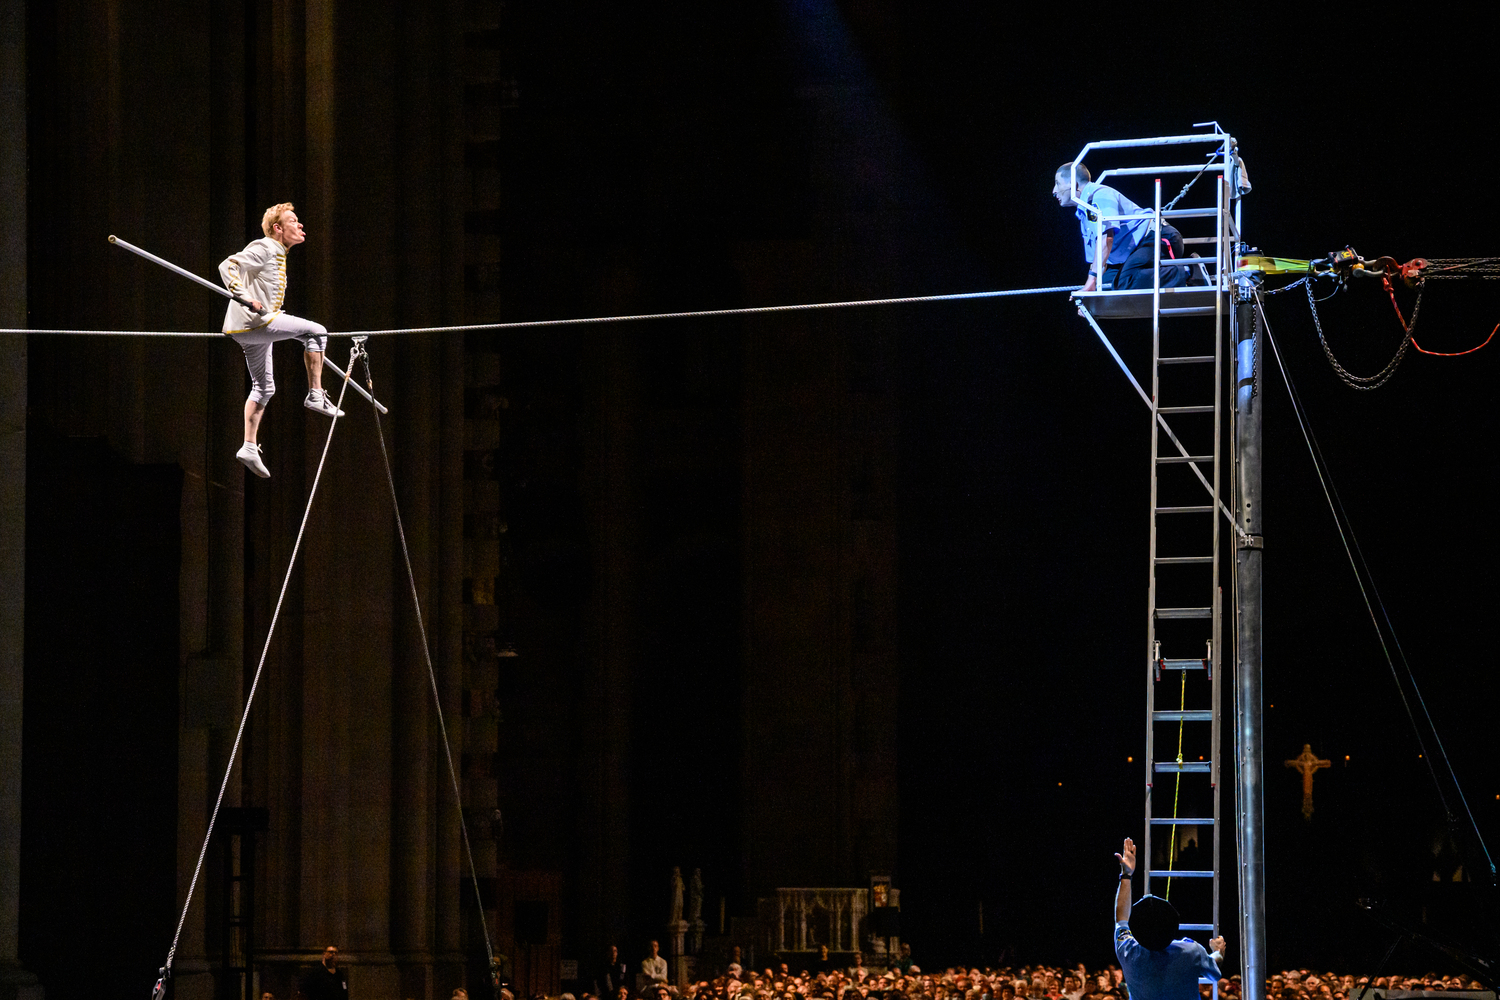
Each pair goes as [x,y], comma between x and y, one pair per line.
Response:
[166,970]
[533,324]
[437,700]
[1366,582]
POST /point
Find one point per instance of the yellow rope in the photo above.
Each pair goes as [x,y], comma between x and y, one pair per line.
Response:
[1172,851]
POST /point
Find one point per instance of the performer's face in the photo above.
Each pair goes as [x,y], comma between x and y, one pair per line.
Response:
[289,231]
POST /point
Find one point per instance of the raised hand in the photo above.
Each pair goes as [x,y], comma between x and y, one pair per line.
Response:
[1127,857]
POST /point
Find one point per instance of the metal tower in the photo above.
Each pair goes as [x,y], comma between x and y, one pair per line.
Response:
[1189,400]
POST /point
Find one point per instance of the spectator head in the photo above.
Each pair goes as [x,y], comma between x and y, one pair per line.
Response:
[1154,922]
[330,957]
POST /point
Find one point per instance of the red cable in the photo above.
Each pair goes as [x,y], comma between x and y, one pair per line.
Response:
[1456,354]
[1392,293]
[1437,354]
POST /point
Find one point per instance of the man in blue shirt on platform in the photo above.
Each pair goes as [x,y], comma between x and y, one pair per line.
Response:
[1155,966]
[1127,255]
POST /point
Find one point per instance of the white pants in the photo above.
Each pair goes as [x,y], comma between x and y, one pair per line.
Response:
[257,344]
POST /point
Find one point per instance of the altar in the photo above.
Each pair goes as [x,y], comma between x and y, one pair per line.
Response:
[796,920]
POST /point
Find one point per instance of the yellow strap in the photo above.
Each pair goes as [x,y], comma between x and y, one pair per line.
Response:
[1273,265]
[1172,848]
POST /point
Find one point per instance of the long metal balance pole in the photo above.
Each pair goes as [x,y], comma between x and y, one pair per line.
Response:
[221,290]
[1251,769]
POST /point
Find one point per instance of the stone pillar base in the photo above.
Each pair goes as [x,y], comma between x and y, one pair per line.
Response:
[18,984]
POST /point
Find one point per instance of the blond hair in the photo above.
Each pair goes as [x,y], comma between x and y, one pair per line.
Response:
[273,216]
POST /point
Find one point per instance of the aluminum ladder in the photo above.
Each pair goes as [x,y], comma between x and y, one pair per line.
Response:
[1184,631]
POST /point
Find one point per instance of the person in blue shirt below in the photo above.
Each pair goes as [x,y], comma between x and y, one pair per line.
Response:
[1156,967]
[1126,255]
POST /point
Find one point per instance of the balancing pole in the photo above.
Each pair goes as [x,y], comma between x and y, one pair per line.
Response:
[221,290]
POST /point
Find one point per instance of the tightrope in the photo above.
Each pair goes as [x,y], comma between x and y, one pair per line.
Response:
[584,320]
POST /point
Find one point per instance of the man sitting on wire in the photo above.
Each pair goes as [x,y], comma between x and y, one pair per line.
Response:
[1126,255]
[258,274]
[1155,966]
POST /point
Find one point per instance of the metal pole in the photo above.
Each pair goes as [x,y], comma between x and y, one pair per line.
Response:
[328,363]
[1251,769]
[218,289]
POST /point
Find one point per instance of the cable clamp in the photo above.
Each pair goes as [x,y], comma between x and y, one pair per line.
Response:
[1246,281]
[1252,541]
[356,350]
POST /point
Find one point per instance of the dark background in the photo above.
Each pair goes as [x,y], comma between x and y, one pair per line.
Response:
[1023,463]
[915,143]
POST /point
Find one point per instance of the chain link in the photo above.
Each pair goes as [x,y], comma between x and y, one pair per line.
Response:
[1362,382]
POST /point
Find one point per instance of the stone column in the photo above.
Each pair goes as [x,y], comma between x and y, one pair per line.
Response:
[416,750]
[677,934]
[15,982]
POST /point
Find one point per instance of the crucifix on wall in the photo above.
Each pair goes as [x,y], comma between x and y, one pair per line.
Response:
[1307,763]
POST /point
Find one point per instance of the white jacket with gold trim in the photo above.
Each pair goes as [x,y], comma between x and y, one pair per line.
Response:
[256,272]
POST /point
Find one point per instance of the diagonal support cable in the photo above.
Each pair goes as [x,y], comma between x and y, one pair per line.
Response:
[437,700]
[159,991]
[1366,582]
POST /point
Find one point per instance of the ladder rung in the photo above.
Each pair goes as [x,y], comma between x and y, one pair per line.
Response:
[1205,509]
[1192,359]
[1179,560]
[1190,311]
[1186,767]
[1184,612]
[1182,459]
[1183,664]
[1190,213]
[1197,240]
[1181,821]
[1181,874]
[1197,927]
[1185,409]
[1183,715]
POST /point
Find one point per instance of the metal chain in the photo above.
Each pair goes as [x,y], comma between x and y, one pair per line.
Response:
[1255,357]
[1362,382]
[1463,267]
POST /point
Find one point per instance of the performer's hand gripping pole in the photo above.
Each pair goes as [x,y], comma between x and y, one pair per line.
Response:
[220,289]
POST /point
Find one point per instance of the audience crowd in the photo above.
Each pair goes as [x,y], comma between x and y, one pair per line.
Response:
[907,981]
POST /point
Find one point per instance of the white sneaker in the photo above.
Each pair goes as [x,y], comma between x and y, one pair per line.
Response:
[249,455]
[317,401]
